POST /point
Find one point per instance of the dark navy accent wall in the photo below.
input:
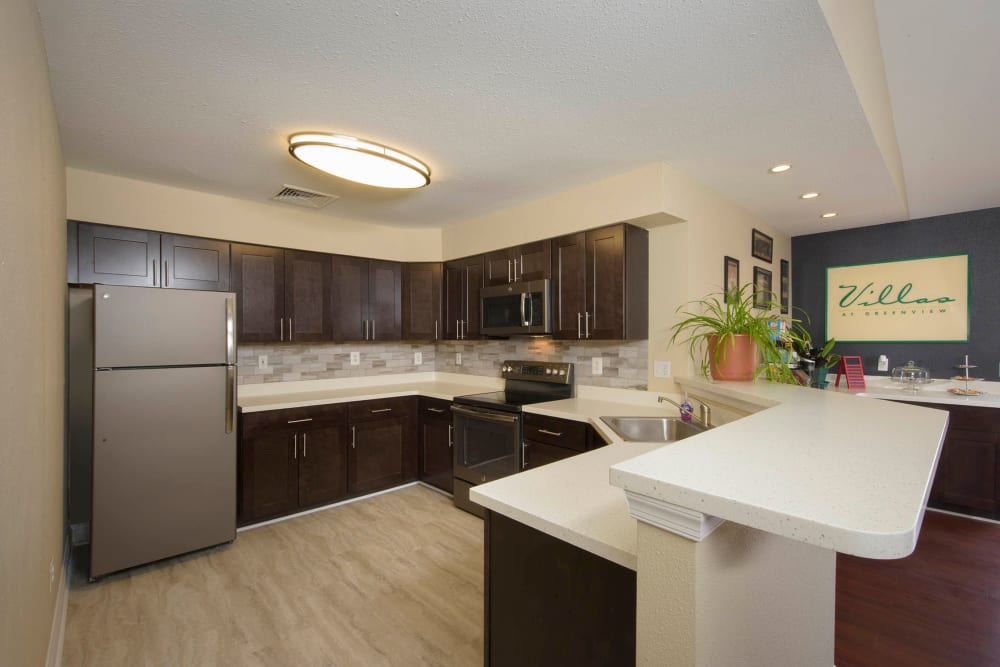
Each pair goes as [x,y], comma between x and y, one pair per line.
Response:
[975,232]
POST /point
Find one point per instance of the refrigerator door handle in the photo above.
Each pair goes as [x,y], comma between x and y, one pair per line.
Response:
[231,329]
[230,397]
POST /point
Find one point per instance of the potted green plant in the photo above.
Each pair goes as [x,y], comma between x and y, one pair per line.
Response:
[822,359]
[731,337]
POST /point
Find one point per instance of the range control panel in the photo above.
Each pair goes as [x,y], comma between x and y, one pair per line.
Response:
[554,372]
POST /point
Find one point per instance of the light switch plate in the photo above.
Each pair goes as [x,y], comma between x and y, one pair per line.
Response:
[418,358]
[597,365]
[262,362]
[458,358]
[661,369]
[355,358]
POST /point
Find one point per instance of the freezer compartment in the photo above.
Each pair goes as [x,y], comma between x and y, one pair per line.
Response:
[147,326]
[164,466]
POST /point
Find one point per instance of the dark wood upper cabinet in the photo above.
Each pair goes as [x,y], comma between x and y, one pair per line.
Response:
[462,281]
[122,256]
[258,278]
[194,263]
[529,261]
[366,299]
[307,296]
[118,256]
[615,281]
[421,303]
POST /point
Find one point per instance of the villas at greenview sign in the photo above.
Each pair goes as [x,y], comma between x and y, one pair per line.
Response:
[910,300]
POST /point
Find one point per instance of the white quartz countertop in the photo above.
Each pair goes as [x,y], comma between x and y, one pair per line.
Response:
[278,395]
[821,467]
[934,392]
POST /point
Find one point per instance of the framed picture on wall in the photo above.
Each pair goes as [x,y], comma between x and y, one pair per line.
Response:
[783,287]
[762,246]
[762,294]
[730,276]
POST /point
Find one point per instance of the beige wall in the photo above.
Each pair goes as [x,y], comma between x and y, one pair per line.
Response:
[32,300]
[112,200]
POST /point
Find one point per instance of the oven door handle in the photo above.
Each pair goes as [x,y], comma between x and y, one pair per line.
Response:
[485,415]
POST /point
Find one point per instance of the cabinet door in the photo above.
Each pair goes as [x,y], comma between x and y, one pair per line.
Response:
[454,299]
[498,267]
[258,278]
[967,472]
[533,260]
[195,263]
[376,457]
[349,290]
[269,475]
[569,285]
[385,300]
[537,454]
[473,282]
[606,283]
[322,465]
[436,444]
[307,296]
[422,301]
[118,256]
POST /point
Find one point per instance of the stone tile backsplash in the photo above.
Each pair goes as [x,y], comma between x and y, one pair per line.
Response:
[624,362]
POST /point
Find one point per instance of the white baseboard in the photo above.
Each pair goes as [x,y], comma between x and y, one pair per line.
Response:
[58,631]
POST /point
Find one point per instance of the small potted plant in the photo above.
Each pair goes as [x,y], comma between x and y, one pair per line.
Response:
[731,337]
[822,359]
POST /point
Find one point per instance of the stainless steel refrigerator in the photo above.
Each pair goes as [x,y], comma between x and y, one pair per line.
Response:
[164,434]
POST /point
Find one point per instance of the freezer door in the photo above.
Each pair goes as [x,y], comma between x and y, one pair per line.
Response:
[146,326]
[164,473]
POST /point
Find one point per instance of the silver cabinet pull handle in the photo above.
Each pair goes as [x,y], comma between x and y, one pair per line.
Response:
[381,410]
[458,331]
[154,272]
[451,439]
[373,329]
[435,329]
[547,432]
[354,437]
[435,410]
[579,325]
[509,279]
[295,446]
[282,325]
[522,265]
[300,421]
[290,329]
[166,273]
[304,443]
[586,323]
[365,323]
[515,270]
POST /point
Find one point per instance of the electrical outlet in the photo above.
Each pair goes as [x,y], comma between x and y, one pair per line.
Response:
[458,358]
[52,573]
[355,358]
[883,362]
[418,358]
[262,362]
[661,369]
[597,365]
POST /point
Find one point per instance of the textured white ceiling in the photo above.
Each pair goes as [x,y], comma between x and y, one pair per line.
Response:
[507,101]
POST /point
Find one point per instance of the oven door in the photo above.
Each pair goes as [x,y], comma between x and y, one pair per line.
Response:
[518,308]
[487,444]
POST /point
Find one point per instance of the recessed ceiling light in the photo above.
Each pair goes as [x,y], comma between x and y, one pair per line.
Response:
[779,168]
[831,214]
[809,195]
[359,160]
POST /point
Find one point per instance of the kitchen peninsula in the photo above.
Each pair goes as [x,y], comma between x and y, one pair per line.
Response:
[735,547]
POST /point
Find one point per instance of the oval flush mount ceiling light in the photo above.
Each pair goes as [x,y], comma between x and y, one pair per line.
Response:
[809,195]
[831,214]
[779,168]
[359,160]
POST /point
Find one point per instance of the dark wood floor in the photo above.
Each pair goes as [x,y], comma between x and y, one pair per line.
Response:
[940,606]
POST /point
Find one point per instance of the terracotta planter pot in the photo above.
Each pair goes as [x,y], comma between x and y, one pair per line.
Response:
[736,361]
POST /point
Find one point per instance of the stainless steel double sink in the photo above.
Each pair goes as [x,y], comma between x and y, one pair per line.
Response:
[652,429]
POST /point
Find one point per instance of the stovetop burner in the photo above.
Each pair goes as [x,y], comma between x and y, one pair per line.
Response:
[527,382]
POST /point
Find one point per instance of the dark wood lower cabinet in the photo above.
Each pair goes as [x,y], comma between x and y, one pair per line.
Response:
[269,477]
[550,439]
[968,473]
[550,603]
[375,460]
[322,465]
[436,455]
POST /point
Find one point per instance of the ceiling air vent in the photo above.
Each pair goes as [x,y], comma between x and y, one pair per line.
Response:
[301,197]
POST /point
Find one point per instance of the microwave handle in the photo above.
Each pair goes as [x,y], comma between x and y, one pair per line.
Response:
[524,301]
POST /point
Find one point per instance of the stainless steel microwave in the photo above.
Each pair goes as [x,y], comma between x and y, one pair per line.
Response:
[517,308]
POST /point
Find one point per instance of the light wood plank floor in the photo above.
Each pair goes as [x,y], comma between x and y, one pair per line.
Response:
[391,580]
